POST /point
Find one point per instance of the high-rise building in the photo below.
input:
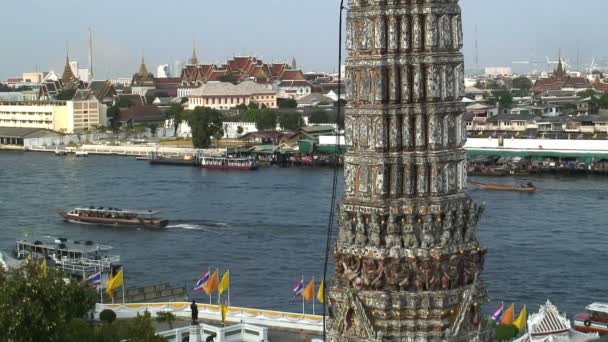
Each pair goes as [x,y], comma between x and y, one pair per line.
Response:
[162,71]
[407,260]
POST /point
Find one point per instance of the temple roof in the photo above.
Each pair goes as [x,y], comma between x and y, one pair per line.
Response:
[143,78]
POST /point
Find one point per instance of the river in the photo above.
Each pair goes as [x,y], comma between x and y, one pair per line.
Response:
[268,227]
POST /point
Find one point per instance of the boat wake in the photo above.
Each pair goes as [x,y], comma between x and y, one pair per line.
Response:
[201,225]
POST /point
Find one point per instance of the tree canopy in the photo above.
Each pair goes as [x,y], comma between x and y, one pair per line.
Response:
[287,103]
[319,116]
[266,119]
[206,125]
[38,305]
[290,121]
[176,113]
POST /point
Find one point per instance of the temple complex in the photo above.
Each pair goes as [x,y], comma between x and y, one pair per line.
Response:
[407,259]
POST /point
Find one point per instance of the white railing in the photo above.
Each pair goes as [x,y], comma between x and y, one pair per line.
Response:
[208,312]
[233,333]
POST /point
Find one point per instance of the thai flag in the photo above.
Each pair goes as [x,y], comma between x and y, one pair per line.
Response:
[297,288]
[94,280]
[201,281]
[497,314]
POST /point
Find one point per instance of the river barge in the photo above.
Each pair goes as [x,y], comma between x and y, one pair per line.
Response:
[227,163]
[594,320]
[506,187]
[115,217]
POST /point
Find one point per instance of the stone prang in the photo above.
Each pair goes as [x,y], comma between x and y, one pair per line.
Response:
[407,259]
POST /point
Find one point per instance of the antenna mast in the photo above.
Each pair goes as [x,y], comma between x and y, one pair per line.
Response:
[90,55]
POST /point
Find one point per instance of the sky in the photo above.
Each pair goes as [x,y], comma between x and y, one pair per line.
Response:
[35,33]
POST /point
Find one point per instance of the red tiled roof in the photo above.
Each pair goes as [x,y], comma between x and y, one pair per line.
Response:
[603,87]
[289,75]
[141,113]
[557,83]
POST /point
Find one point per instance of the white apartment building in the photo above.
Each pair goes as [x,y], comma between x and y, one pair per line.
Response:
[83,112]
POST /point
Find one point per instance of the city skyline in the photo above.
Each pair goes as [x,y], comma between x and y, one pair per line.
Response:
[517,30]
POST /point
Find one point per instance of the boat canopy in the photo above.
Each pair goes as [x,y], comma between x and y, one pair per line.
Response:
[598,307]
[116,211]
[52,244]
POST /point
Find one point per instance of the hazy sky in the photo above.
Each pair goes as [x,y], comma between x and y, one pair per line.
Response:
[34,32]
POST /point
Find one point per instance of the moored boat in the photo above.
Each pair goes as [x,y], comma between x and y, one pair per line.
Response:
[594,320]
[77,258]
[506,187]
[115,217]
[226,163]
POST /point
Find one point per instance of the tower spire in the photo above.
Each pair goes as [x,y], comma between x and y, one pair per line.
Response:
[143,69]
[69,80]
[408,263]
[194,60]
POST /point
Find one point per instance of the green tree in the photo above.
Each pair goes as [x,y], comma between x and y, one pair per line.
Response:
[318,117]
[206,124]
[266,120]
[37,305]
[175,112]
[504,98]
[166,317]
[287,103]
[522,83]
[249,115]
[141,329]
[290,121]
[66,94]
[505,332]
[603,101]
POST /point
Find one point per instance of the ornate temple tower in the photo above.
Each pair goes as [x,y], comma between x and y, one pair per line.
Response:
[407,259]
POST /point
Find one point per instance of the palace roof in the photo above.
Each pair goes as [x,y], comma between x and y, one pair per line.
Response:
[143,78]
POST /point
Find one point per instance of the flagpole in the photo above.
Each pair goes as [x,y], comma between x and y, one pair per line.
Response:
[123,286]
[229,286]
[219,295]
[99,288]
[208,280]
[303,310]
[313,296]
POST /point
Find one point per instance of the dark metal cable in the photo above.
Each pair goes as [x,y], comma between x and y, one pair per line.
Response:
[332,210]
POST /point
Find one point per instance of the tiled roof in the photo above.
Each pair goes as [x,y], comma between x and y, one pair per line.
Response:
[289,75]
[295,84]
[247,88]
[141,113]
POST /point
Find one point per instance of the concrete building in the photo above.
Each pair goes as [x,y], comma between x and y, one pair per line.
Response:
[225,95]
[162,71]
[498,71]
[83,112]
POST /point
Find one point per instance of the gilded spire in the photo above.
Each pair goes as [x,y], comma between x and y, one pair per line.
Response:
[143,70]
[70,80]
[194,60]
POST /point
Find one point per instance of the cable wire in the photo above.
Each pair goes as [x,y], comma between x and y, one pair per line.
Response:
[332,210]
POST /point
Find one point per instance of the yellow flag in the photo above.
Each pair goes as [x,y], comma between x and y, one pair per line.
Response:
[225,283]
[480,133]
[114,283]
[507,317]
[321,292]
[520,321]
[309,290]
